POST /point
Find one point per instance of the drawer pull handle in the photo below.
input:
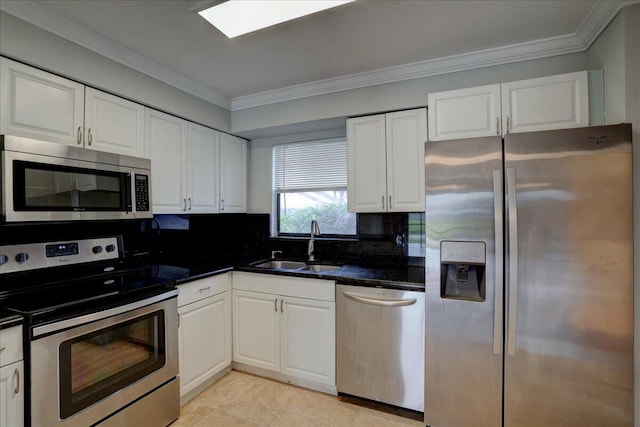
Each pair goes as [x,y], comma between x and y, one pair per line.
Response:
[275,305]
[205,289]
[16,375]
[3,348]
[281,307]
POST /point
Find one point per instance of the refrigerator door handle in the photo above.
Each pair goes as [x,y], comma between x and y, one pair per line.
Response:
[498,309]
[513,262]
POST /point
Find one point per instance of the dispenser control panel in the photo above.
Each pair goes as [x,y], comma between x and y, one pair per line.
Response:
[462,252]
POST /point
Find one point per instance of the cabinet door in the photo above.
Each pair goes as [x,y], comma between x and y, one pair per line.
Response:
[554,102]
[307,334]
[204,340]
[203,167]
[12,395]
[366,168]
[113,124]
[39,105]
[166,138]
[256,329]
[464,113]
[233,174]
[406,135]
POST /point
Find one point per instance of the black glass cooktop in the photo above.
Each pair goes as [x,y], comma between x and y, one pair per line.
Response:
[68,297]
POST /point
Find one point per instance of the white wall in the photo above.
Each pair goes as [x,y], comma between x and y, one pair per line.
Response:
[608,53]
[395,96]
[632,114]
[27,43]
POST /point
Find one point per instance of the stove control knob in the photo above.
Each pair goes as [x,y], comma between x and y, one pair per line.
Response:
[22,257]
[4,259]
[110,248]
[96,249]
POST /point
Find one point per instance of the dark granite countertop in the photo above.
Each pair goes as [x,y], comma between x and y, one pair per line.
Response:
[399,277]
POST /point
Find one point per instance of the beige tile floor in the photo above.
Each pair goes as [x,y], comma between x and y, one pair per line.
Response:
[240,399]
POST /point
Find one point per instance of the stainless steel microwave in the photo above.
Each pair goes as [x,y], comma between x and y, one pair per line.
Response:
[44,181]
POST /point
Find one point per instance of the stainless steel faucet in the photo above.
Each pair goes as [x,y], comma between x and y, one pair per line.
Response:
[315,231]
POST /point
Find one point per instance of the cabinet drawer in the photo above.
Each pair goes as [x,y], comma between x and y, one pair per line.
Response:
[203,288]
[10,345]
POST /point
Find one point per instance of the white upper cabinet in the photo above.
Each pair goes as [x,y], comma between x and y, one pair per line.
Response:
[40,105]
[233,174]
[406,135]
[203,166]
[386,162]
[166,136]
[36,104]
[113,124]
[545,103]
[554,102]
[195,169]
[464,113]
[367,164]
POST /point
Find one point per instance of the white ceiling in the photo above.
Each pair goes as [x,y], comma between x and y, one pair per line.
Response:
[329,50]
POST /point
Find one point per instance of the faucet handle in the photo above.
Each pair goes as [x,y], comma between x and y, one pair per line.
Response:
[274,253]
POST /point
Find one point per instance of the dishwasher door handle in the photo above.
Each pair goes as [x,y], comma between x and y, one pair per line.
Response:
[380,301]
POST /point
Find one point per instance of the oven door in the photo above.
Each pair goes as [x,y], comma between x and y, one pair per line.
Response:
[83,370]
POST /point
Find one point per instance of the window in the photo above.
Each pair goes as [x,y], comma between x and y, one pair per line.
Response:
[310,182]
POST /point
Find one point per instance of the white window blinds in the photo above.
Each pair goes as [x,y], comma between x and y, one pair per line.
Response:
[311,165]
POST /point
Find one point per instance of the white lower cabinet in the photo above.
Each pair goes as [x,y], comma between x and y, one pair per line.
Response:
[11,378]
[12,395]
[285,325]
[204,332]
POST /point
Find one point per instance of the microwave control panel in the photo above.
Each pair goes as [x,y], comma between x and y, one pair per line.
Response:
[142,192]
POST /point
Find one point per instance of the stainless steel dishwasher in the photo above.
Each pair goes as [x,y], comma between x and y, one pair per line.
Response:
[380,347]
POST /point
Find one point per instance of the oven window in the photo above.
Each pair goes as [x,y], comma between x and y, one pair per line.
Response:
[45,187]
[98,364]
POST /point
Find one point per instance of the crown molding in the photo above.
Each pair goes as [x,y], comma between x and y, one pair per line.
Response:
[595,22]
[450,64]
[55,23]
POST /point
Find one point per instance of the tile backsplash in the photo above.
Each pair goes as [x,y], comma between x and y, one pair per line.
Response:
[396,238]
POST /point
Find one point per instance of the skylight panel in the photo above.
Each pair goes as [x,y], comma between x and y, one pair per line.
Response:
[237,17]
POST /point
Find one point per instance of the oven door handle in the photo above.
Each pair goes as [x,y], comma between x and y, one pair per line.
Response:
[92,317]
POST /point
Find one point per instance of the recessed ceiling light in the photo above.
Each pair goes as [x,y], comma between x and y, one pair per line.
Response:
[237,17]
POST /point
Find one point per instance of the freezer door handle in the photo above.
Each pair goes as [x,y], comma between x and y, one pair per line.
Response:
[498,309]
[513,262]
[380,301]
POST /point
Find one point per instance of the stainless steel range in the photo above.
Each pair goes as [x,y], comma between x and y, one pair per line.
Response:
[101,345]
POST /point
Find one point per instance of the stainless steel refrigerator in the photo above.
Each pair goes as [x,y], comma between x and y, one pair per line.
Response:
[529,280]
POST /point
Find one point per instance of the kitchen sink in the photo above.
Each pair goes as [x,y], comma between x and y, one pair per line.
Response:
[321,268]
[297,266]
[282,265]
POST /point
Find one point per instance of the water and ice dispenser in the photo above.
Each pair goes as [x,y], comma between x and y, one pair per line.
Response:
[462,270]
